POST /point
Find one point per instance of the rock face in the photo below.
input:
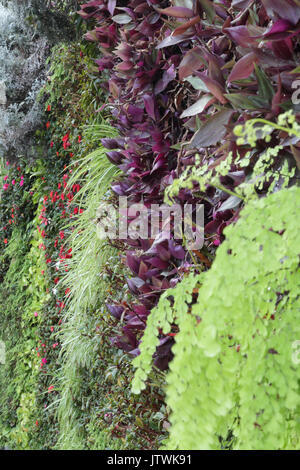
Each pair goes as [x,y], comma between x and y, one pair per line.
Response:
[22,70]
[28,29]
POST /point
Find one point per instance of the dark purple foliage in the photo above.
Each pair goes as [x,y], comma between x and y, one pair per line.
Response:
[147,62]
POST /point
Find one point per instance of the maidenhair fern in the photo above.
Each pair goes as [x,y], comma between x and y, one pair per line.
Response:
[263,169]
[234,372]
[161,318]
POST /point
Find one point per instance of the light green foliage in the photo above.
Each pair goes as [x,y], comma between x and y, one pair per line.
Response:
[234,375]
[88,286]
[74,89]
[94,379]
[20,435]
[23,292]
[263,169]
[162,317]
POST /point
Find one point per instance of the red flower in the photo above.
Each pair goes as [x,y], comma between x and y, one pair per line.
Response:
[65,140]
[48,107]
[5,241]
[66,145]
[76,188]
[48,125]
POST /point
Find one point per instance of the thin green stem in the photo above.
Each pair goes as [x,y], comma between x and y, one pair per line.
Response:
[232,193]
[276,126]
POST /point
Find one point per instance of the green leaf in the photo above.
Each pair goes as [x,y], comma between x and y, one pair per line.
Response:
[122,18]
[265,89]
[213,130]
[197,83]
[197,107]
[243,101]
[231,203]
[208,7]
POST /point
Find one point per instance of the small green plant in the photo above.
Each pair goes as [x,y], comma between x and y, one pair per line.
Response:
[263,172]
[23,294]
[233,380]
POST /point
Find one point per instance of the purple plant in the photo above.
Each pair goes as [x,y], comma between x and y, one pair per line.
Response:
[239,58]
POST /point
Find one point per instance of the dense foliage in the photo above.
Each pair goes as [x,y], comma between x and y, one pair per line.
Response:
[211,66]
[65,381]
[180,101]
[248,376]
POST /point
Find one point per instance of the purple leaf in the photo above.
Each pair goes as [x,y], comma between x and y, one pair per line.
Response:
[132,262]
[280,26]
[109,143]
[192,61]
[149,105]
[243,68]
[176,250]
[213,130]
[172,40]
[115,310]
[168,76]
[134,284]
[177,12]
[111,6]
[284,9]
[214,87]
[163,253]
[158,263]
[114,157]
[241,35]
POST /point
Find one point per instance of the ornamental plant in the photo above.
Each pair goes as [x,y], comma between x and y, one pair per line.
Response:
[181,75]
[234,381]
[70,390]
